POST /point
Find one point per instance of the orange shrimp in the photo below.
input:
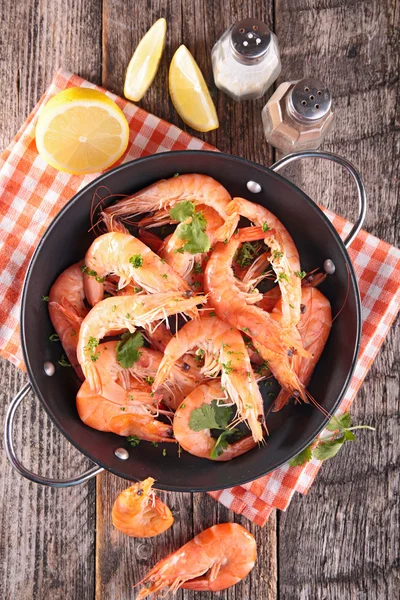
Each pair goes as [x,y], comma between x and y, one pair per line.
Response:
[67,310]
[284,257]
[213,560]
[130,259]
[136,416]
[314,327]
[201,443]
[183,262]
[138,512]
[126,312]
[224,351]
[162,195]
[236,306]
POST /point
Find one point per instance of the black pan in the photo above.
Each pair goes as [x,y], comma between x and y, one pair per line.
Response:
[66,241]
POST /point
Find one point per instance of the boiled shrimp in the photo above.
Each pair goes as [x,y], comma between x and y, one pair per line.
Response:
[138,512]
[130,259]
[136,416]
[164,194]
[201,443]
[213,560]
[284,257]
[314,327]
[125,312]
[67,310]
[224,351]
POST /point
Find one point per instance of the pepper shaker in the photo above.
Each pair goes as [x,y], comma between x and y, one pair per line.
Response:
[246,60]
[298,115]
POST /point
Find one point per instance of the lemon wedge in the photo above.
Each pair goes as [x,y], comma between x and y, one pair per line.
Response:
[81,130]
[145,61]
[189,92]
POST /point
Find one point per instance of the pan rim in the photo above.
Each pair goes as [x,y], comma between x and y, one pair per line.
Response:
[154,157]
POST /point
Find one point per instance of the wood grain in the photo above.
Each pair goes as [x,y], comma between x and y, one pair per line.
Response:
[342,539]
[46,536]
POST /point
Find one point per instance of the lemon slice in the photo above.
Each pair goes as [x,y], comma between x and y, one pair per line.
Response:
[189,92]
[81,131]
[144,63]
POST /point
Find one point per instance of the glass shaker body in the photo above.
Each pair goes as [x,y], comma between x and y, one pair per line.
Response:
[246,60]
[298,116]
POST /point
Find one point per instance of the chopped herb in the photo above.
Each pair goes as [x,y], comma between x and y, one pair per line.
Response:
[54,338]
[164,452]
[163,260]
[64,362]
[277,254]
[227,367]
[196,284]
[226,240]
[123,408]
[245,329]
[133,440]
[165,276]
[137,289]
[211,314]
[197,268]
[91,347]
[128,315]
[322,449]
[191,231]
[182,405]
[263,368]
[247,253]
[155,444]
[100,279]
[128,349]
[113,308]
[45,298]
[136,261]
[176,175]
[73,334]
[149,380]
[265,226]
[283,276]
[88,271]
[300,274]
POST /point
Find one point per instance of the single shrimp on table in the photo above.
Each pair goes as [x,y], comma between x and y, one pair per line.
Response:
[164,194]
[223,350]
[196,438]
[284,257]
[138,512]
[126,312]
[126,256]
[67,310]
[136,416]
[213,560]
[314,328]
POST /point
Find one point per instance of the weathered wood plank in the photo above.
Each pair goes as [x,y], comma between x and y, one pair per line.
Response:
[341,541]
[122,561]
[46,536]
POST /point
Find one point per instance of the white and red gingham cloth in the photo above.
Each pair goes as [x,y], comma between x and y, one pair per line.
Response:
[32,193]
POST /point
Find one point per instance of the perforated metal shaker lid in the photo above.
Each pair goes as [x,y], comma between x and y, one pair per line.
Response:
[310,100]
[250,40]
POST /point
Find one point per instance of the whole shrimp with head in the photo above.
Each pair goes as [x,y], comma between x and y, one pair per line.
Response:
[161,196]
[138,512]
[238,307]
[126,312]
[126,256]
[67,310]
[213,560]
[223,351]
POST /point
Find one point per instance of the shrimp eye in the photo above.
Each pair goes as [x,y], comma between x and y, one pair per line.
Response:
[185,367]
[188,294]
[170,432]
[139,492]
[303,308]
[290,352]
[296,393]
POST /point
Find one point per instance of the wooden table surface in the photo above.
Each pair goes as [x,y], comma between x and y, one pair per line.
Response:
[341,541]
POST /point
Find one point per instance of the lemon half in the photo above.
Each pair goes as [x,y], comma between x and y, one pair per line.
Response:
[189,92]
[81,130]
[145,61]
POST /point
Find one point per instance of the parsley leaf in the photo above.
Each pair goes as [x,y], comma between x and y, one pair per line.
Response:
[193,232]
[325,450]
[342,422]
[247,253]
[45,298]
[128,349]
[203,418]
[64,362]
[133,440]
[302,458]
[300,274]
[136,261]
[222,413]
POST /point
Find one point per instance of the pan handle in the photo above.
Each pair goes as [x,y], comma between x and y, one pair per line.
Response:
[362,202]
[18,466]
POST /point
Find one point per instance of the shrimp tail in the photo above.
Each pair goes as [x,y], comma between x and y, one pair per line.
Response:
[164,370]
[69,314]
[226,230]
[92,374]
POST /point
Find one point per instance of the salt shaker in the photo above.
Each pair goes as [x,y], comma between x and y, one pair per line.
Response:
[298,115]
[246,60]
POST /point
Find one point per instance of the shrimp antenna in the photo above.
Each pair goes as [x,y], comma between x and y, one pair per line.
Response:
[317,405]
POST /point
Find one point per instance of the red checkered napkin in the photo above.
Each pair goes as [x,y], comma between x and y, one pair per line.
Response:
[32,193]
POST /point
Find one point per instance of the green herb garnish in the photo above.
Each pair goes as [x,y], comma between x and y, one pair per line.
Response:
[136,261]
[45,298]
[265,227]
[133,440]
[247,253]
[64,362]
[323,449]
[197,268]
[128,349]
[54,338]
[300,274]
[215,416]
[192,232]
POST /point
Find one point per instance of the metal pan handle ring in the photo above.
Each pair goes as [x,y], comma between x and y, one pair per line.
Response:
[362,202]
[18,466]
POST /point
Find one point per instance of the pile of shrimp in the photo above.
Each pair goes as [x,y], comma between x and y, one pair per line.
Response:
[208,333]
